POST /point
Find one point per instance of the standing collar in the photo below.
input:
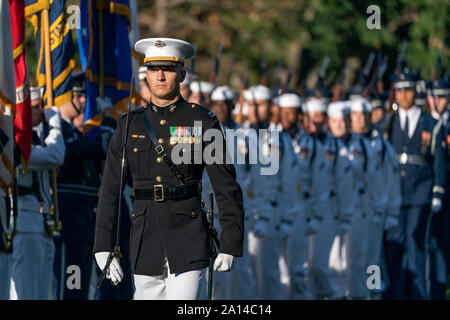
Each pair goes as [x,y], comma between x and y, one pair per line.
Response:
[165,110]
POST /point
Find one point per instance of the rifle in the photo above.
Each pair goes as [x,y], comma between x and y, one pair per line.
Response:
[338,88]
[377,76]
[362,80]
[243,86]
[398,65]
[285,87]
[263,68]
[322,71]
[215,72]
[116,253]
[191,68]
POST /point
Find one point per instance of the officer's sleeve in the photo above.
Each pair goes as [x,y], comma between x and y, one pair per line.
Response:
[49,156]
[439,162]
[289,179]
[393,182]
[109,194]
[228,196]
[344,185]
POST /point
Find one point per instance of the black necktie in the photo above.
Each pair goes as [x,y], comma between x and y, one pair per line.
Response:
[406,127]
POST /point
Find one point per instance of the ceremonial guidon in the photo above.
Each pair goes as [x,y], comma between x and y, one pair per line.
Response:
[169,248]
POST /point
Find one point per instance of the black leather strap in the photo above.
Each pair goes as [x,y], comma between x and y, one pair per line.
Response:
[160,150]
[166,192]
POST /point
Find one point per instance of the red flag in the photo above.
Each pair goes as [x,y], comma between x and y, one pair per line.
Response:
[23,125]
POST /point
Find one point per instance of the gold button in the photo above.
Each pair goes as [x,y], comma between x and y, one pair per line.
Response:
[159,159]
[193,105]
[132,215]
[160,140]
[162,122]
[158,179]
[135,149]
[193,213]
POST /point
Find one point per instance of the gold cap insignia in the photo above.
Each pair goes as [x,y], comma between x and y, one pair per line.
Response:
[159,44]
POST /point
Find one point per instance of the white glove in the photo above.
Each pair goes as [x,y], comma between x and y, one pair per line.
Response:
[377,218]
[313,226]
[285,230]
[104,103]
[436,205]
[53,117]
[343,227]
[390,222]
[224,262]
[114,271]
[260,228]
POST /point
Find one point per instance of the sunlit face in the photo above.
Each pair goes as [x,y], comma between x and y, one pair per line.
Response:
[258,110]
[288,117]
[220,109]
[338,126]
[145,91]
[405,97]
[36,111]
[79,100]
[201,98]
[359,121]
[164,81]
[437,104]
[316,121]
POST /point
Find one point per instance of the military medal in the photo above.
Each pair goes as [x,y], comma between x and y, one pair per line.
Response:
[181,134]
[426,138]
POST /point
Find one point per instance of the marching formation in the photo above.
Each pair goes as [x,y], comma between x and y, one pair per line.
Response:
[357,207]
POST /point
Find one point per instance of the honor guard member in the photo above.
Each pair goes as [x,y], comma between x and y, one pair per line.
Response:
[422,159]
[239,284]
[201,93]
[78,188]
[169,249]
[5,218]
[333,211]
[143,86]
[381,194]
[185,89]
[300,149]
[264,239]
[34,249]
[437,98]
[79,97]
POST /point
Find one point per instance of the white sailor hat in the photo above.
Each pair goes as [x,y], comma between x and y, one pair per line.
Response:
[338,109]
[223,93]
[361,105]
[36,93]
[244,109]
[258,92]
[164,51]
[315,105]
[201,86]
[288,100]
[142,71]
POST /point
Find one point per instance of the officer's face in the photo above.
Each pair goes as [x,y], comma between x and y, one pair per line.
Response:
[164,81]
[36,111]
[360,121]
[288,117]
[405,97]
[338,126]
[79,101]
[258,110]
[437,104]
[377,115]
[316,121]
[220,109]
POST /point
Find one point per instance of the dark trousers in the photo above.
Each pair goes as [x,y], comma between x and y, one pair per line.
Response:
[78,256]
[405,256]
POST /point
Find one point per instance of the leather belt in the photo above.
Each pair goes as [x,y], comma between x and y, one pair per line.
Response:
[404,158]
[161,192]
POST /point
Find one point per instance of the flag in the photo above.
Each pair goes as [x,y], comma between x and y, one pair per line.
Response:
[134,37]
[22,113]
[7,93]
[116,55]
[61,48]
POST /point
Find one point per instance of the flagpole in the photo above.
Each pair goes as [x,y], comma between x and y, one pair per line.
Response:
[101,5]
[49,85]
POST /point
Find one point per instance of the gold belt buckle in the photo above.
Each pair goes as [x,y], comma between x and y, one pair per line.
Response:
[41,207]
[403,158]
[155,196]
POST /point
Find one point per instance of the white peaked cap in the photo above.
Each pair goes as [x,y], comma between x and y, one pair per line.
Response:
[258,92]
[361,105]
[288,100]
[223,93]
[244,109]
[201,86]
[36,93]
[164,51]
[142,71]
[338,109]
[315,105]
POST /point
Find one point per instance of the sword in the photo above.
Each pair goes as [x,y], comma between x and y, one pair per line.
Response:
[212,252]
